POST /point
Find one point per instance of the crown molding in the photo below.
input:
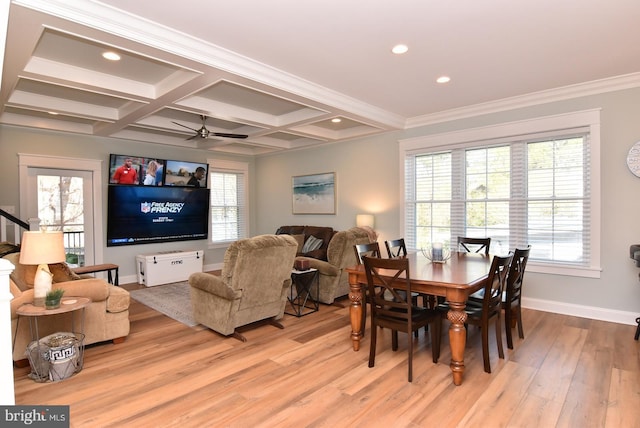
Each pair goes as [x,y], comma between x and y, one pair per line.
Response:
[617,83]
[105,18]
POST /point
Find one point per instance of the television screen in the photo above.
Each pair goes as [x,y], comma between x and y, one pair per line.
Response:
[148,214]
[135,170]
[190,174]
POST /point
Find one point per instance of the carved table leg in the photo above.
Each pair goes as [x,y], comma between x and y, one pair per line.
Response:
[457,339]
[355,310]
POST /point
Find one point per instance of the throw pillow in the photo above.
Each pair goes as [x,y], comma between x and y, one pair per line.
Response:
[62,272]
[311,244]
[300,240]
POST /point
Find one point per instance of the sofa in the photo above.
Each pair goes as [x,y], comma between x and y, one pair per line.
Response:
[316,238]
[106,318]
[333,279]
[253,285]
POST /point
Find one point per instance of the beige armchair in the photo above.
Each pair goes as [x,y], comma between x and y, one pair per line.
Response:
[253,286]
[106,318]
[333,279]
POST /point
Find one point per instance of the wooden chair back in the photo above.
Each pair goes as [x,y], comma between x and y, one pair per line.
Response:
[396,248]
[474,245]
[512,301]
[371,249]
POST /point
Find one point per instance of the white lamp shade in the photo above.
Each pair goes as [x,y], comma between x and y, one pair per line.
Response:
[42,248]
[364,220]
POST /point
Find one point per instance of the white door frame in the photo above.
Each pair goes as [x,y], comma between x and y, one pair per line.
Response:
[26,161]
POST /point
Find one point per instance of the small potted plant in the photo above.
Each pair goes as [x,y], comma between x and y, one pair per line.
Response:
[53,297]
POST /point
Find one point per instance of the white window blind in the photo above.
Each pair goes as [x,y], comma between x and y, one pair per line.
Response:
[229,210]
[526,191]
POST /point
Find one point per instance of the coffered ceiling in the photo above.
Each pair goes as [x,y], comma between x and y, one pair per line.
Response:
[281,71]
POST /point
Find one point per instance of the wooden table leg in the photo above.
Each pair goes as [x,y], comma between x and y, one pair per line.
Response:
[355,310]
[457,339]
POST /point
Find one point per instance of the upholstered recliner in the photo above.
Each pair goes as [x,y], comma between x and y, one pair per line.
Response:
[253,285]
[334,280]
[106,318]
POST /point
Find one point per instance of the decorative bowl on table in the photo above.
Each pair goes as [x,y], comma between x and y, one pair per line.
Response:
[437,255]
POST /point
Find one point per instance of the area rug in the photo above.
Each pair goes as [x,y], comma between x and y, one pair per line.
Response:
[173,300]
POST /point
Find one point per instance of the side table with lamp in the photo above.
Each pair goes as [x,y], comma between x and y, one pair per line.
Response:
[59,355]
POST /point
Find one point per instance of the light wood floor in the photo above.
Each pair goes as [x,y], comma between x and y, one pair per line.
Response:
[567,372]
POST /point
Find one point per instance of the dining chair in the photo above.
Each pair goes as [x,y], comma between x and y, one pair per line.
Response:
[490,310]
[474,245]
[371,249]
[512,297]
[392,309]
[396,248]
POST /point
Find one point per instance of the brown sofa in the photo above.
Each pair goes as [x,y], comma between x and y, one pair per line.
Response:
[333,279]
[302,235]
[106,318]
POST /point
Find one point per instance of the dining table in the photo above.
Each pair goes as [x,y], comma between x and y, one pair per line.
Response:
[459,276]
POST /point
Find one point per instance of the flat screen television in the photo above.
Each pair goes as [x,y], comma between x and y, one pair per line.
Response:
[136,170]
[148,214]
[182,173]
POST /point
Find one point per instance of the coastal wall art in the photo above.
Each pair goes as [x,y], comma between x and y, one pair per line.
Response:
[314,194]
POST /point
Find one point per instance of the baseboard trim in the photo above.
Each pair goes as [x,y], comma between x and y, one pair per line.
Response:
[591,312]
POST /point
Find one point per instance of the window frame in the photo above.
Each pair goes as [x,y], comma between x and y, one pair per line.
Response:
[231,167]
[518,130]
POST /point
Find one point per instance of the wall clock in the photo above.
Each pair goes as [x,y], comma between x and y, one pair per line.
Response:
[633,159]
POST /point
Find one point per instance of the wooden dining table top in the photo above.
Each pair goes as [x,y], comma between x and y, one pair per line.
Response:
[462,271]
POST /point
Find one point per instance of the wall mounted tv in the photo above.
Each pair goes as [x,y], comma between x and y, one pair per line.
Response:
[154,200]
[146,214]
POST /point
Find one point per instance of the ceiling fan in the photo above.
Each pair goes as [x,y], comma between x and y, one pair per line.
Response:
[205,133]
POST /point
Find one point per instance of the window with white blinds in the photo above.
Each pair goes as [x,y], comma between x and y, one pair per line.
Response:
[229,212]
[527,189]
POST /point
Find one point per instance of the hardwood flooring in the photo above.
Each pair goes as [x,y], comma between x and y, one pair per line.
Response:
[567,372]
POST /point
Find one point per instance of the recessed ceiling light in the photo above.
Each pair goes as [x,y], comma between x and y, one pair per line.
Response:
[443,79]
[53,113]
[111,56]
[336,120]
[400,49]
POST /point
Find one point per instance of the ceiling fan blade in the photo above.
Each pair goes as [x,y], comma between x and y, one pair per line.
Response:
[221,134]
[184,126]
[192,137]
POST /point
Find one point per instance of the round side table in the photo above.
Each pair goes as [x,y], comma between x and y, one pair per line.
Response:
[68,355]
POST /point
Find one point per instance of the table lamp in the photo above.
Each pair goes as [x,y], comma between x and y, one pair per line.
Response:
[365,220]
[41,248]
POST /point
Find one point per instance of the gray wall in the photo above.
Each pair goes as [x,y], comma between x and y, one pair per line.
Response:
[368,182]
[14,140]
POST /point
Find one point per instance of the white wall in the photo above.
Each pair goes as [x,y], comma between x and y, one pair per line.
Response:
[368,181]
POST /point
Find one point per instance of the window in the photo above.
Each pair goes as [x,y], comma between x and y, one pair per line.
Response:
[229,208]
[520,183]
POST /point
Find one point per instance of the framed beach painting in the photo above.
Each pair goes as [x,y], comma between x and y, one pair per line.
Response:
[314,194]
